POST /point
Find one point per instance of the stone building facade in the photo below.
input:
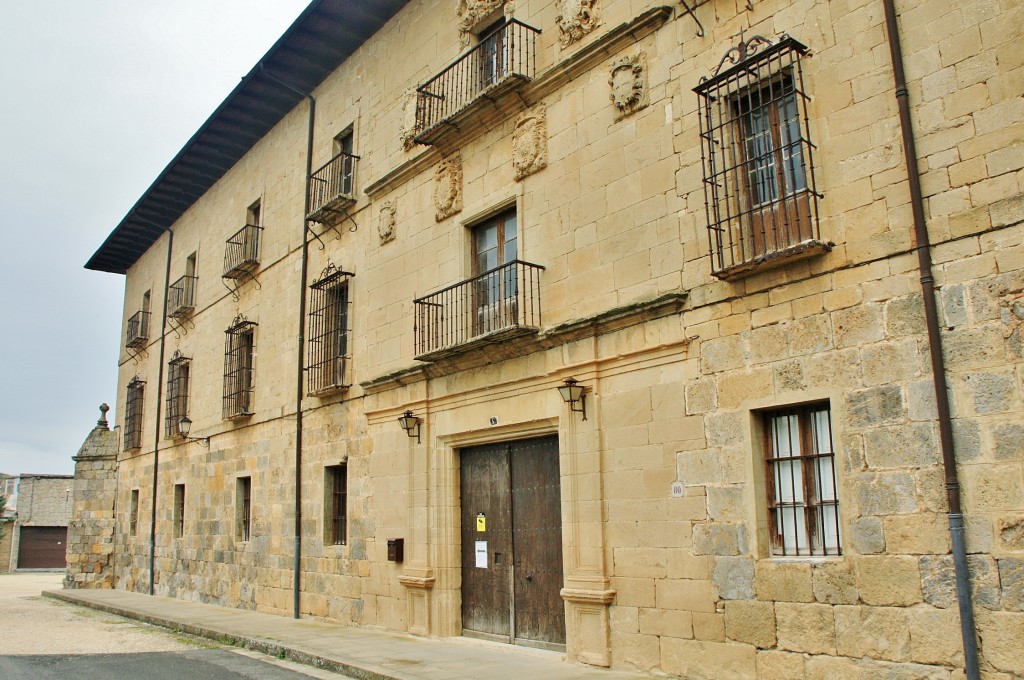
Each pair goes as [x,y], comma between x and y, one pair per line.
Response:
[703,214]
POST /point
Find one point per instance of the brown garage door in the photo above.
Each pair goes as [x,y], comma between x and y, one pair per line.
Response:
[43,548]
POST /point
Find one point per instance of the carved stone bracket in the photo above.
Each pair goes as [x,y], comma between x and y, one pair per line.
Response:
[587,596]
[472,13]
[576,18]
[386,224]
[448,187]
[629,85]
[530,142]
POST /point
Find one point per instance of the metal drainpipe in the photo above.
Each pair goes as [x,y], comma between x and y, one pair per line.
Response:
[956,518]
[159,399]
[300,368]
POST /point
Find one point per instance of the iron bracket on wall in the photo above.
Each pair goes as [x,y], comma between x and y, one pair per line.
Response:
[236,284]
[179,325]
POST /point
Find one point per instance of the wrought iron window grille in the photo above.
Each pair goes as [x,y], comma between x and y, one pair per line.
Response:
[181,297]
[332,189]
[800,477]
[133,414]
[505,57]
[760,193]
[239,354]
[241,257]
[502,301]
[337,481]
[327,369]
[137,333]
[179,369]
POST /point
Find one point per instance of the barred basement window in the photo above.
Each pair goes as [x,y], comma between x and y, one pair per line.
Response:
[133,513]
[133,414]
[759,189]
[803,504]
[179,510]
[328,331]
[336,484]
[239,350]
[179,369]
[243,508]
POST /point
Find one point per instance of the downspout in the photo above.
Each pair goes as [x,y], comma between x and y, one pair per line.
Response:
[300,367]
[159,401]
[956,518]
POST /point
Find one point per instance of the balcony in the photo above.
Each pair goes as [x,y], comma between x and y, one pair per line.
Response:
[332,189]
[138,330]
[503,62]
[498,305]
[181,297]
[242,252]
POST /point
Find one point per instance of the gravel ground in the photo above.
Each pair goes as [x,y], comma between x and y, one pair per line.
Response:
[36,625]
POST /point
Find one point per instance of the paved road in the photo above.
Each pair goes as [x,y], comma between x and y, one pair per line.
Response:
[43,639]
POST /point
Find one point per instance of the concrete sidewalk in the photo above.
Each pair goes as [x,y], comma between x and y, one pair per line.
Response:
[359,652]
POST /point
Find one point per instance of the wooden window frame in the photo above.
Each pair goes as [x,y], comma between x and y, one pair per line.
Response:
[133,513]
[801,484]
[336,504]
[243,509]
[179,510]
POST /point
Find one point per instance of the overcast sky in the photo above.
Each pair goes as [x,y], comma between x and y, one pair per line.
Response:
[96,97]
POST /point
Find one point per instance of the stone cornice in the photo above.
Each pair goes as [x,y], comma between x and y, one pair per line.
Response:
[580,596]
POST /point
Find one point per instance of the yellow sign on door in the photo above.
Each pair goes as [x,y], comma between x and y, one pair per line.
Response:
[481,522]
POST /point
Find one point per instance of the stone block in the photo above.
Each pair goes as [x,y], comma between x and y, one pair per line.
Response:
[702,659]
[684,594]
[1007,441]
[935,637]
[993,392]
[888,580]
[718,538]
[873,407]
[1011,533]
[701,396]
[699,468]
[726,503]
[789,377]
[856,326]
[709,626]
[834,583]
[899,446]
[996,487]
[917,534]
[874,632]
[667,622]
[885,493]
[1011,582]
[639,651]
[766,344]
[905,316]
[734,578]
[721,354]
[832,668]
[953,305]
[726,428]
[867,536]
[808,628]
[736,387]
[1002,646]
[783,581]
[891,361]
[751,622]
[773,665]
[810,335]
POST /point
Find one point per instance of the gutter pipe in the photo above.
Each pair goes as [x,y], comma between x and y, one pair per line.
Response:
[301,353]
[956,518]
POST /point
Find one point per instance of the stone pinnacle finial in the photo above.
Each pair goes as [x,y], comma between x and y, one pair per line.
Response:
[102,422]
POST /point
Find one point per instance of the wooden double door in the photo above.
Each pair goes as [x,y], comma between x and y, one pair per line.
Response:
[512,543]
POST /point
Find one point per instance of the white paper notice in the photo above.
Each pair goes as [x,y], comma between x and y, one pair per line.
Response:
[481,554]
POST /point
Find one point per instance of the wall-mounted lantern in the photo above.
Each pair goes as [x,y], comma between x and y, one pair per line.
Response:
[572,393]
[411,425]
[185,426]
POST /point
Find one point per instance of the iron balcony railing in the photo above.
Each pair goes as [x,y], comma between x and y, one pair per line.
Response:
[509,52]
[181,297]
[332,188]
[502,299]
[242,252]
[138,329]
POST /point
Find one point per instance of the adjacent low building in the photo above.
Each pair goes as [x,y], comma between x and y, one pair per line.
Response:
[616,327]
[38,533]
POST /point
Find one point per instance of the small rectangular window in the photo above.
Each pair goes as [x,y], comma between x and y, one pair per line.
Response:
[133,414]
[179,370]
[179,510]
[343,149]
[800,477]
[133,513]
[336,502]
[239,352]
[243,508]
